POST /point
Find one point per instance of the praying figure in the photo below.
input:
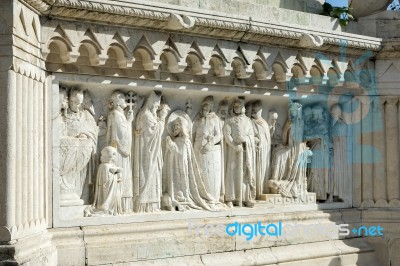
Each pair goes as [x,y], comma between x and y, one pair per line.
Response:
[185,189]
[263,148]
[148,154]
[240,184]
[207,147]
[107,197]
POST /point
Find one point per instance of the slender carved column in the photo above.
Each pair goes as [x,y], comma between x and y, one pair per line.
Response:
[378,108]
[356,126]
[367,155]
[392,148]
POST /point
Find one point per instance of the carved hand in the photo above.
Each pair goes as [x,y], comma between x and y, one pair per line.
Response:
[129,116]
[239,148]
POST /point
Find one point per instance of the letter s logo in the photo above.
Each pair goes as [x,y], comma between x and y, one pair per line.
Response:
[344,230]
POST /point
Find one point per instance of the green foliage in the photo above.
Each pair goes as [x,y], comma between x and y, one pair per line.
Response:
[342,13]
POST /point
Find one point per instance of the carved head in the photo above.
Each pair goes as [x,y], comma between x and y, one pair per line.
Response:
[238,106]
[317,114]
[217,65]
[75,100]
[336,111]
[223,109]
[153,102]
[118,100]
[180,128]
[108,155]
[207,105]
[238,68]
[273,115]
[294,110]
[256,111]
[63,99]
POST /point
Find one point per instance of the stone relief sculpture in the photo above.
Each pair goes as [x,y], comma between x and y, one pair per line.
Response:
[341,168]
[185,188]
[207,147]
[108,194]
[148,161]
[317,137]
[119,136]
[240,186]
[76,149]
[289,161]
[223,157]
[263,148]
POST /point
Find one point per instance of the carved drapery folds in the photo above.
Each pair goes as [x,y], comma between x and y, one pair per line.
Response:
[155,159]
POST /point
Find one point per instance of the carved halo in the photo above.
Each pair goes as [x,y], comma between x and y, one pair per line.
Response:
[179,114]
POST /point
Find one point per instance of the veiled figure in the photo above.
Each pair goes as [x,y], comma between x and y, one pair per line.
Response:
[148,154]
[289,161]
[263,148]
[207,147]
[240,185]
[119,136]
[76,150]
[340,162]
[318,141]
[107,198]
[185,188]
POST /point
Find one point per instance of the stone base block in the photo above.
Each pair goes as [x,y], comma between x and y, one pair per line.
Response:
[278,199]
[35,250]
[197,242]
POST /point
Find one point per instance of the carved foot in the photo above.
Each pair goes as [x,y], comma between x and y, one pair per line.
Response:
[229,204]
[249,204]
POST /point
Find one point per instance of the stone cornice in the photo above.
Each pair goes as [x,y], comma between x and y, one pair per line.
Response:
[207,24]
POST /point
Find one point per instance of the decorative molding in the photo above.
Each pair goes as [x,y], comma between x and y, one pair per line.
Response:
[216,26]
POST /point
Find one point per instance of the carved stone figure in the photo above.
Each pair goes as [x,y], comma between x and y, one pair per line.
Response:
[240,183]
[119,136]
[207,147]
[148,154]
[77,149]
[318,141]
[107,198]
[289,161]
[185,188]
[263,148]
[341,169]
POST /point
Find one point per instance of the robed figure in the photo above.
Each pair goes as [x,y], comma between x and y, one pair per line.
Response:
[148,159]
[77,148]
[184,185]
[289,160]
[208,148]
[341,168]
[240,185]
[119,136]
[263,148]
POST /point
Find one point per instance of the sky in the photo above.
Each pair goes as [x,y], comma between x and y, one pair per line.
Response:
[340,3]
[337,2]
